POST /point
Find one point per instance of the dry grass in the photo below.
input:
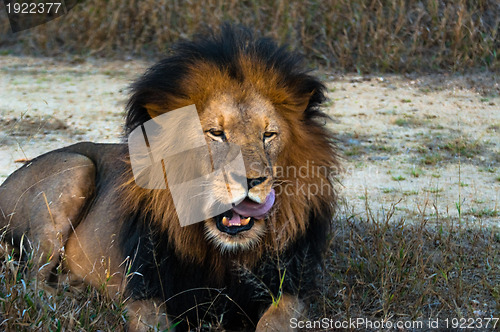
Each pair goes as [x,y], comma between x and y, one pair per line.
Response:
[385,269]
[28,305]
[360,35]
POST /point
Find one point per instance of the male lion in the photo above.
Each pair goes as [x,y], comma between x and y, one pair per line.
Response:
[244,269]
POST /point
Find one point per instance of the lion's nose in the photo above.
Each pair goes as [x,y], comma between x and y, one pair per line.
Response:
[255,182]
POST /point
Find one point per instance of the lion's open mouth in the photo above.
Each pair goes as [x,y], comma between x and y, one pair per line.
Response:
[232,223]
[243,216]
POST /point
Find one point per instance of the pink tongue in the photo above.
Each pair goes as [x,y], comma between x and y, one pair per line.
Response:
[247,208]
[235,220]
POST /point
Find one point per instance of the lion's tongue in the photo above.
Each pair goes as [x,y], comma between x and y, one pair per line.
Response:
[248,208]
[235,220]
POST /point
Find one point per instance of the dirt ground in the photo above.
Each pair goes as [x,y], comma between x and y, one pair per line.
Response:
[429,143]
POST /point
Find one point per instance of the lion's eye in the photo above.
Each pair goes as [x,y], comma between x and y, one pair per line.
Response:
[216,134]
[269,135]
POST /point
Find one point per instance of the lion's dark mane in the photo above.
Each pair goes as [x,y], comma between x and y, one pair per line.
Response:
[231,294]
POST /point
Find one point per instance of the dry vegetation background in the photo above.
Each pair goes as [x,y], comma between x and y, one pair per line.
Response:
[419,239]
[363,35]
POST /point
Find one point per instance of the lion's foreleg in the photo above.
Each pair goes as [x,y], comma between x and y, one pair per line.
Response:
[277,317]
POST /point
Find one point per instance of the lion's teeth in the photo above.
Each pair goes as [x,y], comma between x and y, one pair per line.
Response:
[225,221]
[245,221]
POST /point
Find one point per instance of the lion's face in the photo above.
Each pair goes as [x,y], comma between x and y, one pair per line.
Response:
[257,97]
[252,122]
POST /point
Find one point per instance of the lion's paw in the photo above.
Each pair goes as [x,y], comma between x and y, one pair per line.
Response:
[277,317]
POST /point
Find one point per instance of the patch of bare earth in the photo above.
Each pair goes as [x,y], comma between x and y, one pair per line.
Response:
[430,143]
[47,104]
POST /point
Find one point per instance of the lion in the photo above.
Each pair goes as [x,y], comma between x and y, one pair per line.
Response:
[247,268]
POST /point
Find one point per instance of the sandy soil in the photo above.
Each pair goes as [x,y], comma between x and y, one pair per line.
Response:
[428,143]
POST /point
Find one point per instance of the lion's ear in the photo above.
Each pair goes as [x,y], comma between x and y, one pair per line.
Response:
[298,105]
[154,110]
[301,105]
